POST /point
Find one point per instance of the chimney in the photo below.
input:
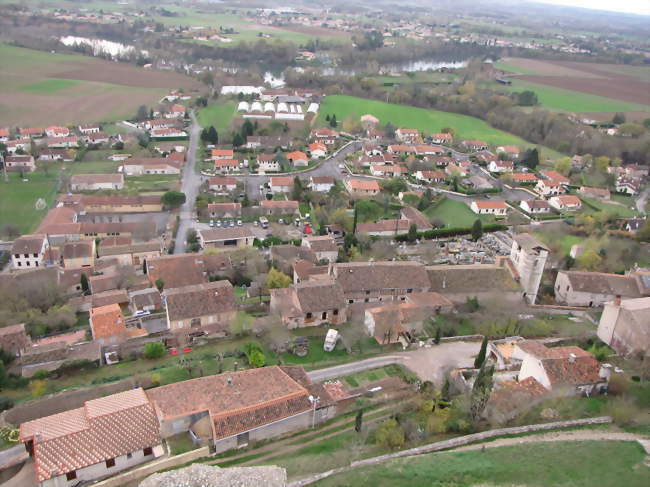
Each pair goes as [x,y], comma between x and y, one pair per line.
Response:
[605,372]
[572,358]
[617,300]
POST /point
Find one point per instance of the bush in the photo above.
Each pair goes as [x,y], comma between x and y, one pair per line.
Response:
[154,350]
[41,374]
[624,411]
[452,232]
[6,403]
[390,434]
[254,354]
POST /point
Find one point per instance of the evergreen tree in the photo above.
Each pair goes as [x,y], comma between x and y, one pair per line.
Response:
[436,340]
[327,117]
[144,266]
[213,136]
[333,121]
[413,233]
[84,283]
[354,222]
[247,128]
[481,391]
[480,358]
[477,230]
[530,158]
[237,140]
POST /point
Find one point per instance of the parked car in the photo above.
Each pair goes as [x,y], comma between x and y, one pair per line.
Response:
[239,223]
[218,223]
[211,223]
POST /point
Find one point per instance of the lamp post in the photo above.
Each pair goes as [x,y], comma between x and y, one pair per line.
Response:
[314,401]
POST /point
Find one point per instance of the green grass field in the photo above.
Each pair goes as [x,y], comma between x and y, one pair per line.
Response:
[455,214]
[429,121]
[573,101]
[574,463]
[566,241]
[18,200]
[51,85]
[620,210]
[220,115]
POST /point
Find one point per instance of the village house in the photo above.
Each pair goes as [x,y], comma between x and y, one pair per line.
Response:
[383,228]
[452,170]
[4,134]
[321,184]
[364,282]
[388,170]
[512,151]
[406,135]
[114,433]
[633,225]
[442,138]
[217,154]
[147,299]
[79,254]
[267,162]
[29,132]
[306,270]
[474,145]
[13,146]
[69,142]
[89,204]
[565,202]
[624,325]
[415,217]
[401,149]
[14,339]
[226,237]
[281,184]
[628,185]
[566,370]
[108,326]
[225,166]
[208,305]
[158,124]
[224,210]
[150,165]
[93,182]
[430,176]
[636,170]
[549,187]
[298,159]
[280,207]
[500,167]
[222,184]
[234,409]
[325,135]
[132,253]
[310,303]
[577,288]
[428,150]
[361,187]
[324,247]
[175,111]
[497,208]
[186,269]
[55,155]
[268,142]
[89,129]
[588,192]
[20,163]
[535,206]
[524,178]
[56,131]
[28,251]
[317,150]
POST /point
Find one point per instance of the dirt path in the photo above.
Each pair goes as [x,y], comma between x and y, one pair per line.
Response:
[575,435]
[317,435]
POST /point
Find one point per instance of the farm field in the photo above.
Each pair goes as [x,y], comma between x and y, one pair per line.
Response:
[574,101]
[571,463]
[220,115]
[630,84]
[456,214]
[18,200]
[41,88]
[429,121]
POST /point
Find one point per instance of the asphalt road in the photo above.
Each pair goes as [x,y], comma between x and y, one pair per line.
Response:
[191,181]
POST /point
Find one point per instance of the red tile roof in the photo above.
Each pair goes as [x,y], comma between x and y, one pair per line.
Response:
[107,321]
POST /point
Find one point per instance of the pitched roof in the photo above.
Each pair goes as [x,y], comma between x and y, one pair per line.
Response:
[574,371]
[116,178]
[289,204]
[28,244]
[107,321]
[325,243]
[538,204]
[185,269]
[413,215]
[389,225]
[222,180]
[200,300]
[474,278]
[236,401]
[529,242]
[103,428]
[363,185]
[568,199]
[281,181]
[362,276]
[490,205]
[603,283]
[318,295]
[225,233]
[78,249]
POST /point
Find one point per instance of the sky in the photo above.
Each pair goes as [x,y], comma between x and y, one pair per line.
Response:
[629,6]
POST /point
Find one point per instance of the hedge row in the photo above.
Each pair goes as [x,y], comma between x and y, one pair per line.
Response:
[452,232]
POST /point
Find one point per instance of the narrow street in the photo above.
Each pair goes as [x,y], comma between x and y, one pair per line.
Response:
[191,181]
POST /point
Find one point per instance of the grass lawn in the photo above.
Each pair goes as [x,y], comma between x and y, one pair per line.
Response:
[51,85]
[159,182]
[18,200]
[429,121]
[584,463]
[455,213]
[573,101]
[317,355]
[220,116]
[620,210]
[362,378]
[566,241]
[180,443]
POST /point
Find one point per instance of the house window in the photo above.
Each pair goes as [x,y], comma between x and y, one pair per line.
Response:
[35,255]
[129,456]
[324,315]
[409,291]
[26,256]
[110,463]
[366,300]
[336,312]
[308,316]
[350,301]
[367,292]
[147,451]
[195,322]
[71,475]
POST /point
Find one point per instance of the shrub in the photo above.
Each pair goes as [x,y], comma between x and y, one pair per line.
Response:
[6,403]
[390,434]
[254,354]
[154,350]
[155,379]
[624,411]
[41,374]
[37,388]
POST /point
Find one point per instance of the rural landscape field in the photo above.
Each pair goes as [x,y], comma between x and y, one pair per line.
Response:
[40,88]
